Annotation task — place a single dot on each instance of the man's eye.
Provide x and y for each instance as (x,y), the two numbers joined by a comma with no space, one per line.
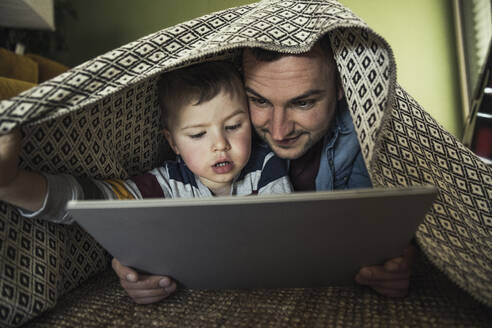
(197,135)
(304,104)
(260,102)
(233,127)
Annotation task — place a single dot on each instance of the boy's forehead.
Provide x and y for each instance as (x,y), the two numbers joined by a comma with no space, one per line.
(220,107)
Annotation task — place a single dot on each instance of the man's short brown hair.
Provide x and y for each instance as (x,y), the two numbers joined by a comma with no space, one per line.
(264,55)
(196,84)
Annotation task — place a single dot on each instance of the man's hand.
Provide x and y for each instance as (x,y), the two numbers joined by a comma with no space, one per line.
(9,157)
(143,289)
(391,279)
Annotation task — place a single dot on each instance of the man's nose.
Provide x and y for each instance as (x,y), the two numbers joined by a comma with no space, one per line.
(280,125)
(220,142)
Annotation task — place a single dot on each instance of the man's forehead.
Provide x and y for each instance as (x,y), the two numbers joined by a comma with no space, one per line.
(294,75)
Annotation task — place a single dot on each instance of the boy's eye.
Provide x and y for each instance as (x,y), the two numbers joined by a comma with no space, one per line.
(197,135)
(233,127)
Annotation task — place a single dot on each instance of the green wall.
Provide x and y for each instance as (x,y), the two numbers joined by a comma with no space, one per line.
(103,25)
(420,32)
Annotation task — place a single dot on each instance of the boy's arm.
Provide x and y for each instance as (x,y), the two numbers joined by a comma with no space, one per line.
(18,187)
(28,190)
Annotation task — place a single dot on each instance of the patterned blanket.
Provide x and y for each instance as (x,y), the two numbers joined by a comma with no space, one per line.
(101,119)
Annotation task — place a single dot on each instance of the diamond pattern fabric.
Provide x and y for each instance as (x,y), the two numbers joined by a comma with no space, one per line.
(101,119)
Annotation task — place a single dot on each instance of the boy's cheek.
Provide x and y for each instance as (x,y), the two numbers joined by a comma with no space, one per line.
(243,145)
(192,154)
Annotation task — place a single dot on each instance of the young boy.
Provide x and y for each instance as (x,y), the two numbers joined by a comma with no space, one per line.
(206,123)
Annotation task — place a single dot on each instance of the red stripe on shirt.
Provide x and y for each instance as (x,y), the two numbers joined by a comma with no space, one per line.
(148,185)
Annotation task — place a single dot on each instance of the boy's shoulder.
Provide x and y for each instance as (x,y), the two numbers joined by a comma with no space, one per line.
(259,152)
(260,155)
(178,171)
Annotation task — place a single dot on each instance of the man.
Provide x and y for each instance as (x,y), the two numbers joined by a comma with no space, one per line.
(297,108)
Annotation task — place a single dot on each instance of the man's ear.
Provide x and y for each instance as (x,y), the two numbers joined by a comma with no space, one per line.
(340,92)
(170,141)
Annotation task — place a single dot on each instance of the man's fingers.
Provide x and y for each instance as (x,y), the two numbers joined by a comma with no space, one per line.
(409,254)
(124,272)
(389,292)
(379,273)
(388,287)
(388,284)
(396,265)
(391,279)
(404,262)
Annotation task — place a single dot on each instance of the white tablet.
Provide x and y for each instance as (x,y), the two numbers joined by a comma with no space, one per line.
(292,240)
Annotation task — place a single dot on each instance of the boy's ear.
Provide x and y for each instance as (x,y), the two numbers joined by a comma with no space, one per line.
(170,141)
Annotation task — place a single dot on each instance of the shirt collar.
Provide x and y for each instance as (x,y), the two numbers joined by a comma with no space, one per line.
(342,124)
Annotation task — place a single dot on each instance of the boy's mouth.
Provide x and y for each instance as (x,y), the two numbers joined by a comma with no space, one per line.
(222,167)
(222,164)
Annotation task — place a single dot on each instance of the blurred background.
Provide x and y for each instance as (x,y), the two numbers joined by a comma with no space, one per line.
(430,57)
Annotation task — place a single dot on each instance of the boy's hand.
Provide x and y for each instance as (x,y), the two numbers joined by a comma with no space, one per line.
(143,289)
(391,279)
(9,156)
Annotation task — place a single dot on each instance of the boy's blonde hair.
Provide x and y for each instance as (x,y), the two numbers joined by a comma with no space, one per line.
(196,84)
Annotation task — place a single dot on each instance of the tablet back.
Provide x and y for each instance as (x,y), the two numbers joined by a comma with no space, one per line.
(291,240)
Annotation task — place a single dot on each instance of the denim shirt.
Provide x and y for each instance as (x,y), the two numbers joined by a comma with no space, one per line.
(342,164)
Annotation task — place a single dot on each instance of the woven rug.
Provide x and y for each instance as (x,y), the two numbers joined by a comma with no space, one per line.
(434,301)
(101,119)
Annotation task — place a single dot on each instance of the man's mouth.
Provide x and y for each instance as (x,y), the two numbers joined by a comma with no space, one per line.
(287,142)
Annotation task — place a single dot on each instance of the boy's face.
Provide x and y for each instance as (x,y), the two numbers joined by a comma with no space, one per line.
(213,138)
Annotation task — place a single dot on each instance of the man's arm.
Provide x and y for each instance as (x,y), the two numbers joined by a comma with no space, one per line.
(391,279)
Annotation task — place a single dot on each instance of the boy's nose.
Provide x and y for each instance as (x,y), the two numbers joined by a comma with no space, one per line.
(221,143)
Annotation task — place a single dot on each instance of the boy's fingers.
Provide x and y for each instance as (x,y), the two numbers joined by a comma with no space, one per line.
(9,156)
(124,272)
(149,300)
(147,296)
(156,292)
(10,142)
(147,282)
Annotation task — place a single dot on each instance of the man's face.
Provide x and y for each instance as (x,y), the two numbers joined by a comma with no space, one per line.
(292,100)
(213,138)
